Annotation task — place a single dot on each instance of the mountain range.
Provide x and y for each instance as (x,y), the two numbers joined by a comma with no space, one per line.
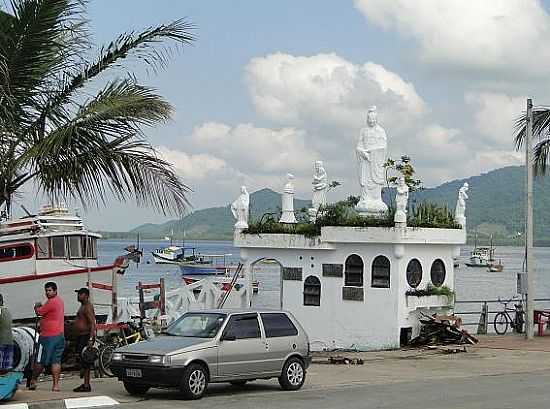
(495,208)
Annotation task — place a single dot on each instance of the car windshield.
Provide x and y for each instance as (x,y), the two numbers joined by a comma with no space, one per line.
(197,325)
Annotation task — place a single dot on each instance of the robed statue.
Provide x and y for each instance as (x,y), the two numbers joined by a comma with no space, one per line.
(371,155)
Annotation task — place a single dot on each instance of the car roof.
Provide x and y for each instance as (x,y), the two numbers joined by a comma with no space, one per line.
(237,311)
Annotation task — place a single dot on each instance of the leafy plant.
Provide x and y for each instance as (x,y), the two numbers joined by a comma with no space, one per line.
(404,168)
(428,214)
(431,290)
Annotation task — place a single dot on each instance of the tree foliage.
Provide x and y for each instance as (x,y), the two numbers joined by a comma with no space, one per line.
(70,128)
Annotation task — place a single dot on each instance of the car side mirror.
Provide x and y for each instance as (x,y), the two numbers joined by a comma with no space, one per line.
(229,337)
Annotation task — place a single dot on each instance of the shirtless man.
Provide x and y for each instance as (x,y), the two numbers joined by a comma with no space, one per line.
(85,327)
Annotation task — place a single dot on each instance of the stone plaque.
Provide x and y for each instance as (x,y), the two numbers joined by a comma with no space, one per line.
(353,293)
(333,270)
(292,273)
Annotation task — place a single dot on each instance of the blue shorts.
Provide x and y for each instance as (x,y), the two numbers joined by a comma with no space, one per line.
(50,350)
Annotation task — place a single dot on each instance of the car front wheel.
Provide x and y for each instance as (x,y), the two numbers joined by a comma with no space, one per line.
(294,374)
(194,381)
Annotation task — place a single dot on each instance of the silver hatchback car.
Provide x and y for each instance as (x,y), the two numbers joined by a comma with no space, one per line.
(217,346)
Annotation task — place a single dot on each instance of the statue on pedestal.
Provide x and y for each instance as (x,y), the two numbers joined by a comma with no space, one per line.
(371,156)
(240,209)
(401,202)
(320,186)
(287,215)
(460,211)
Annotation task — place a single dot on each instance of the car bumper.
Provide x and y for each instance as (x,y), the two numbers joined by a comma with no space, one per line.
(155,376)
(307,361)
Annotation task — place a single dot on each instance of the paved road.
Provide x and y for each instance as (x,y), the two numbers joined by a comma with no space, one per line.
(519,390)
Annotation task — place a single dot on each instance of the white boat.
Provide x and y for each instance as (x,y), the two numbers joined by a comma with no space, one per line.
(168,255)
(481,256)
(53,245)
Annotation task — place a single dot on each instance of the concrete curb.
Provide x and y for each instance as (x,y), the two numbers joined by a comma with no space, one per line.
(70,403)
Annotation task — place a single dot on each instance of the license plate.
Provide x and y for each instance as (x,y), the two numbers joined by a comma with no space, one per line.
(133,373)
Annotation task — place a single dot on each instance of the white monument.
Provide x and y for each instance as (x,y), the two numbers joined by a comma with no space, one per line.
(288,202)
(401,202)
(371,156)
(240,209)
(320,186)
(460,211)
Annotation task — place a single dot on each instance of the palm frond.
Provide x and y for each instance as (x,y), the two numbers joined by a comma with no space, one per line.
(141,46)
(541,131)
(100,150)
(36,46)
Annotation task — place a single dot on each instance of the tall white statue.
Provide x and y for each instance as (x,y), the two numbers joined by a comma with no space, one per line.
(460,211)
(320,186)
(288,202)
(401,202)
(240,209)
(371,156)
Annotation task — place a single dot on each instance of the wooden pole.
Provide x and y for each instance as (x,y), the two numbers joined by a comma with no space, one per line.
(529,262)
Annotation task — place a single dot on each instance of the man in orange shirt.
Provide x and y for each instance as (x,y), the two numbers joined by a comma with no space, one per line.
(51,342)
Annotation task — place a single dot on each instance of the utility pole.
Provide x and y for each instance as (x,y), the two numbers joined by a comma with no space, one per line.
(529,262)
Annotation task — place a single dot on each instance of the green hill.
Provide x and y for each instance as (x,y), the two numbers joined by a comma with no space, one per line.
(495,206)
(215,222)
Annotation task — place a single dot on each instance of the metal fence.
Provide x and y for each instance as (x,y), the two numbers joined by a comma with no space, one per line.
(481,313)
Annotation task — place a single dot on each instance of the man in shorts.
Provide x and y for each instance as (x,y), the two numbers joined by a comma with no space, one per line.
(51,342)
(6,339)
(85,329)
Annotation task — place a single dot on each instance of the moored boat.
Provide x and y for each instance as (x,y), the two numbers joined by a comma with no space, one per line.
(53,245)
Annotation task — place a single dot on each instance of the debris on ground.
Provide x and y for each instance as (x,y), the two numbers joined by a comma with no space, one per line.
(442,330)
(342,360)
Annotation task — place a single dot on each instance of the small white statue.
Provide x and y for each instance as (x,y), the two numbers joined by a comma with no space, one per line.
(320,186)
(371,156)
(288,202)
(401,202)
(240,209)
(460,211)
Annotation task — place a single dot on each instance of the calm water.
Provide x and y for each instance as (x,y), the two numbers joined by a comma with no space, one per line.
(471,283)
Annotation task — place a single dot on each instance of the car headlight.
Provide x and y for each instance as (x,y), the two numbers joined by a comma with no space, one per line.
(117,356)
(159,359)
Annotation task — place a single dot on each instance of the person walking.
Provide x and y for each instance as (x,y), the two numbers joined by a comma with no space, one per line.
(51,342)
(85,328)
(6,339)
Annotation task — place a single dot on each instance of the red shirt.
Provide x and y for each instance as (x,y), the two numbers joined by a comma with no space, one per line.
(52,315)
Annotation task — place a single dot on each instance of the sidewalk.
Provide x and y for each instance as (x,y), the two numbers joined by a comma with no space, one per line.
(494,355)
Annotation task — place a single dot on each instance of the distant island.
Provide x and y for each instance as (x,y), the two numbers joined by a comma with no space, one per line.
(495,208)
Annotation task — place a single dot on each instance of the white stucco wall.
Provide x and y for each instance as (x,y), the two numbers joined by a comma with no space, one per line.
(375,322)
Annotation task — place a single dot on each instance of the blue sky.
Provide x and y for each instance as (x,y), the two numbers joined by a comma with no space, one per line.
(271,86)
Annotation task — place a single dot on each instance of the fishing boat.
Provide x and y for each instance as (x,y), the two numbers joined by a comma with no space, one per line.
(481,256)
(168,255)
(205,264)
(53,245)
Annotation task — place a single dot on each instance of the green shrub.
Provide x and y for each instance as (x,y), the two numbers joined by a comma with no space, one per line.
(431,290)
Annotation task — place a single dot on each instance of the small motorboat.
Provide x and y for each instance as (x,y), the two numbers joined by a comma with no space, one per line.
(496,268)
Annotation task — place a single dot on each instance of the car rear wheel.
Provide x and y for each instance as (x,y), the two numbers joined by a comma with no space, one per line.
(294,374)
(135,389)
(194,382)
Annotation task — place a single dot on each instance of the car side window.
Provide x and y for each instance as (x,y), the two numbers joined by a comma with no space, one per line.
(278,325)
(244,326)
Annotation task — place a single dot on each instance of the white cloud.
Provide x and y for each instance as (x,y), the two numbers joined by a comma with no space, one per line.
(497,35)
(194,167)
(260,150)
(495,116)
(326,89)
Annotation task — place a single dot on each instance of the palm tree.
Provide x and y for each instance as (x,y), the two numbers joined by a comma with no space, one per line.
(541,130)
(71,131)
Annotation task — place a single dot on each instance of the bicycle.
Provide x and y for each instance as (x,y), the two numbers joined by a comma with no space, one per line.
(503,319)
(106,348)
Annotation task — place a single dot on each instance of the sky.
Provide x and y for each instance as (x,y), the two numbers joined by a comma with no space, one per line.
(269,87)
